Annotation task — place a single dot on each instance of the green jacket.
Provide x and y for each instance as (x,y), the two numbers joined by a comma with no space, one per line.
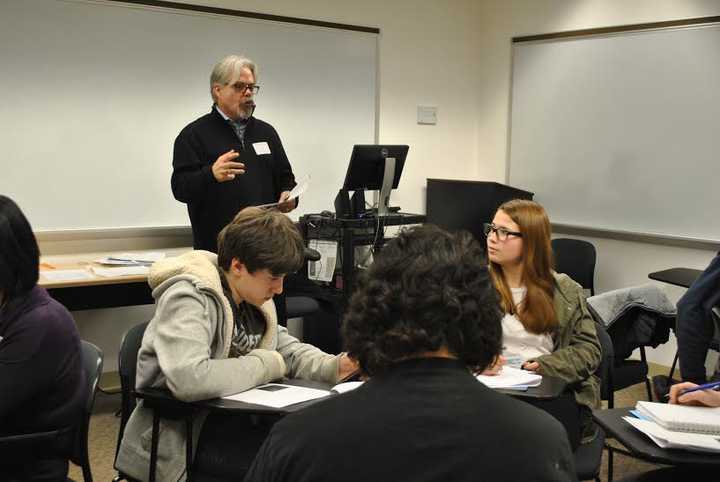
(576,354)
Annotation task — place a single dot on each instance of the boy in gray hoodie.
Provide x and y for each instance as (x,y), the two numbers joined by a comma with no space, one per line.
(215,333)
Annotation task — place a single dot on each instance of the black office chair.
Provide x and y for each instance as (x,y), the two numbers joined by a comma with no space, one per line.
(588,457)
(576,258)
(70,442)
(163,404)
(127,367)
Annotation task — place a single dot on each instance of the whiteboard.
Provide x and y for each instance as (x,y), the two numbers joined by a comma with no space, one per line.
(621,132)
(94,94)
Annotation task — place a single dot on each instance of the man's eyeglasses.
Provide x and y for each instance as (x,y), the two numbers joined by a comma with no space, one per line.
(241,87)
(501,233)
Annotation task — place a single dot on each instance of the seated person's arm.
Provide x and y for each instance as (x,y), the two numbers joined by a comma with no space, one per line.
(22,372)
(706,398)
(579,360)
(306,361)
(184,333)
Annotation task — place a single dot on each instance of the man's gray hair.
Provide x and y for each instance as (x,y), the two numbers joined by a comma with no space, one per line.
(228,70)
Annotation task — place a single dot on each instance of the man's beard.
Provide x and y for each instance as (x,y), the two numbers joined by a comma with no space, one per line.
(247,110)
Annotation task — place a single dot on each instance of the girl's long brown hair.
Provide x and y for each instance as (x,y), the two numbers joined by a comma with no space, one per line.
(536,313)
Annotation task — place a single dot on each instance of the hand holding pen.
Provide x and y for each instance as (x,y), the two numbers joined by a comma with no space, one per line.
(691,394)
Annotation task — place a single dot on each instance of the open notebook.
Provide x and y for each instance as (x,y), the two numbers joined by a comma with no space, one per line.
(511,378)
(682,418)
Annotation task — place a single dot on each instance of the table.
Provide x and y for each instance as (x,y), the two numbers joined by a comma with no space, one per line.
(550,387)
(642,447)
(96,292)
(162,398)
(677,276)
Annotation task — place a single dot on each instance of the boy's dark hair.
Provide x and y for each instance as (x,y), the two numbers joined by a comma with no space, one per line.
(426,290)
(261,239)
(19,252)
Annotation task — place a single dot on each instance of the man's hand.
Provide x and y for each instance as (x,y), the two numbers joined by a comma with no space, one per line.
(706,398)
(531,366)
(347,367)
(284,205)
(496,367)
(225,168)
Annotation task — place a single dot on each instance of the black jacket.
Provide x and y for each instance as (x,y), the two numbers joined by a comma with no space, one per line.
(41,379)
(695,328)
(212,205)
(425,420)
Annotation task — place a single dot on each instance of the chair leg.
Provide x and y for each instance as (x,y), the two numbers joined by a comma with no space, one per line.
(87,474)
(188,446)
(154,446)
(672,367)
(648,387)
(610,464)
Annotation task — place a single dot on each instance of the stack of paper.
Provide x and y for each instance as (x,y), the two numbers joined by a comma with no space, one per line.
(682,418)
(669,439)
(132,259)
(511,378)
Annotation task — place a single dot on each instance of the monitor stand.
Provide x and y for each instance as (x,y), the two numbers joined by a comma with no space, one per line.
(388,177)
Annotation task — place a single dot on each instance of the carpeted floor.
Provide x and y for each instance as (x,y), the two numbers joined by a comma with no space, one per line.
(104,430)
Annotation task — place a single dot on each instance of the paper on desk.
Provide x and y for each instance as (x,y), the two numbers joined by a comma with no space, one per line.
(122,271)
(324,268)
(346,387)
(300,188)
(66,275)
(675,440)
(511,378)
(132,259)
(278,395)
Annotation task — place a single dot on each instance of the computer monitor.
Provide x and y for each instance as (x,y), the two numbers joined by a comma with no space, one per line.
(375,167)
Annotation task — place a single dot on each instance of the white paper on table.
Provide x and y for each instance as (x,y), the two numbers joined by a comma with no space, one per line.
(510,377)
(324,268)
(676,440)
(132,259)
(122,271)
(278,395)
(67,275)
(346,387)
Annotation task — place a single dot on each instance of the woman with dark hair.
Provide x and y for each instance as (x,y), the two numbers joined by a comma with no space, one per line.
(547,328)
(423,318)
(41,379)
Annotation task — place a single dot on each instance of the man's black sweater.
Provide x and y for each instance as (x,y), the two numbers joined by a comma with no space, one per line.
(212,205)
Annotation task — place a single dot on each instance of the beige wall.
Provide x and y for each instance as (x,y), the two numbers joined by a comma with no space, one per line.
(620,263)
(455,54)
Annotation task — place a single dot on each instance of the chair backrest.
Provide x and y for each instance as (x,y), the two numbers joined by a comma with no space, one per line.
(604,371)
(92,361)
(576,258)
(127,367)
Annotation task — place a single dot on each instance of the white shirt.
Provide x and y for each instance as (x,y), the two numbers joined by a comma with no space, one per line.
(519,345)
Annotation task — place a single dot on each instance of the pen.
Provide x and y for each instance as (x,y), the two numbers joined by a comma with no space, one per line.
(705,386)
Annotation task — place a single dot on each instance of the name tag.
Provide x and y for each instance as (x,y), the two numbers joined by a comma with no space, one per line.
(261,148)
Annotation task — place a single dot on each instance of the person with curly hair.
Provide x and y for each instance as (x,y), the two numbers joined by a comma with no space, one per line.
(547,327)
(424,318)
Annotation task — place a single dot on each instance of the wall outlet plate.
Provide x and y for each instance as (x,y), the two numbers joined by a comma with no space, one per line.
(426,115)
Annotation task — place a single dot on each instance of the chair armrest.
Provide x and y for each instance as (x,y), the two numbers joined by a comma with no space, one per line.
(164,403)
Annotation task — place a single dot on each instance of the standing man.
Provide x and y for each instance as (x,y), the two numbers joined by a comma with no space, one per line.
(227,159)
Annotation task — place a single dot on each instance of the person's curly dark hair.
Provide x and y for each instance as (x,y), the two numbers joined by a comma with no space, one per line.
(427,289)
